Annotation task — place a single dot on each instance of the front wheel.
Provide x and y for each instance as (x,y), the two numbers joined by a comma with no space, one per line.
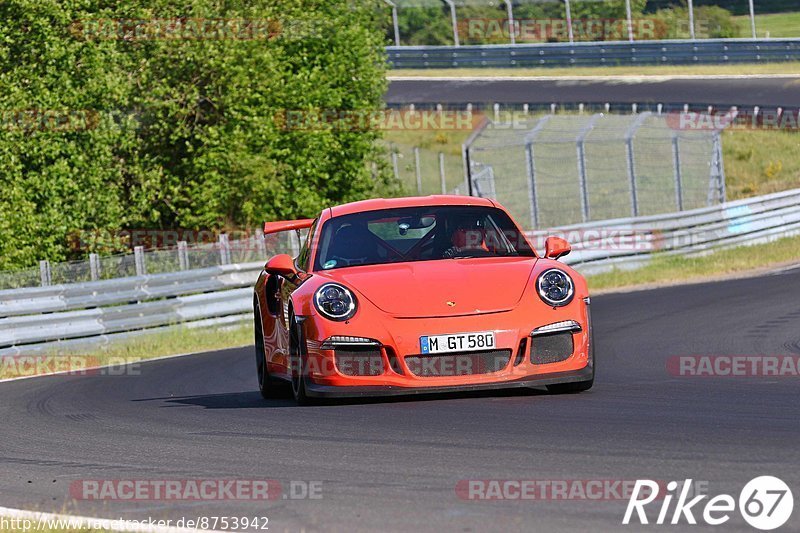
(267,386)
(297,360)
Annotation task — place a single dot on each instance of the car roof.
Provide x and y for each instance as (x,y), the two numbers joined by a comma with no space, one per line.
(411,201)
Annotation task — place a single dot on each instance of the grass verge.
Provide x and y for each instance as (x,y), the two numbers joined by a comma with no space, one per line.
(772,26)
(787,68)
(666,270)
(118,353)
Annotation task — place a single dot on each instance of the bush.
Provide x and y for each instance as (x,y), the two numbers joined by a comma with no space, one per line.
(166,133)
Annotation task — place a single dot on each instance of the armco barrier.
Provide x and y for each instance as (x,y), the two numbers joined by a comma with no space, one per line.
(30,318)
(631,242)
(93,313)
(674,52)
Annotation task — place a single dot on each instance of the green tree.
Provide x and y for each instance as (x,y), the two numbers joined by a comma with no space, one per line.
(183,132)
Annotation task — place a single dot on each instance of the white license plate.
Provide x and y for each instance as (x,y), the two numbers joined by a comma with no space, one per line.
(457,342)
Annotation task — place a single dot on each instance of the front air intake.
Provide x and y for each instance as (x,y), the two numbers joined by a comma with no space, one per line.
(551,348)
(359,361)
(458,364)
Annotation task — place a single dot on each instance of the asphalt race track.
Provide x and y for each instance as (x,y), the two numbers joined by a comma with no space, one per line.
(743,92)
(394,465)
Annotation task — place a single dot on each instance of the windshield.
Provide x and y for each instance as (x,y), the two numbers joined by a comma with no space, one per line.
(418,234)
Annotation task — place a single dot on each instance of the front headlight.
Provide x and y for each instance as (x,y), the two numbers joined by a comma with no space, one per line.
(335,302)
(555,287)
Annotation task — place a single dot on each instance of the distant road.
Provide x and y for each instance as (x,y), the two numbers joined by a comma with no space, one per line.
(743,91)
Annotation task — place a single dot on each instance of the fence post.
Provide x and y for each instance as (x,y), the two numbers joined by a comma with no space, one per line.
(441,173)
(753,19)
(261,244)
(395,166)
(139,261)
(569,21)
(691,19)
(417,170)
(716,181)
(579,142)
(224,249)
(183,255)
(630,19)
(45,273)
(629,135)
(676,163)
(454,20)
(511,29)
(94,266)
(530,166)
(632,177)
(395,23)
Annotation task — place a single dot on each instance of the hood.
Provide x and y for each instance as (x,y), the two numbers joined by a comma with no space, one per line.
(423,289)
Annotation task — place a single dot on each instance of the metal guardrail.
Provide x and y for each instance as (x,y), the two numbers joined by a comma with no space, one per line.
(632,242)
(33,317)
(672,52)
(92,313)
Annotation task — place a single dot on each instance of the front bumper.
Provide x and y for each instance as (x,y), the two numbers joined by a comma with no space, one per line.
(365,391)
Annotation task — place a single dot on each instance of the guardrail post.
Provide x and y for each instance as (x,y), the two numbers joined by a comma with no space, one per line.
(417,170)
(183,255)
(224,249)
(139,261)
(94,266)
(45,273)
(441,173)
(676,164)
(691,19)
(753,19)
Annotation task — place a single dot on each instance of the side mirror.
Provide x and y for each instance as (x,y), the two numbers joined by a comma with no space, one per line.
(281,265)
(555,247)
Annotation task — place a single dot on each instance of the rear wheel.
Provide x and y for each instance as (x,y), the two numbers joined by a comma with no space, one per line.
(298,361)
(267,386)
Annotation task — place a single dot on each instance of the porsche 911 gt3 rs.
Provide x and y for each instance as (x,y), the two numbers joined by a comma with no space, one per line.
(419,295)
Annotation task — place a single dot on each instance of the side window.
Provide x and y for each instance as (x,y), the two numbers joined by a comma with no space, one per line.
(305,251)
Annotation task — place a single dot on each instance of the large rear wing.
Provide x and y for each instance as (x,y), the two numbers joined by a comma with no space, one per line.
(287,225)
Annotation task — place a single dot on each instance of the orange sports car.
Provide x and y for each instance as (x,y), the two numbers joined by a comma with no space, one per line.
(419,295)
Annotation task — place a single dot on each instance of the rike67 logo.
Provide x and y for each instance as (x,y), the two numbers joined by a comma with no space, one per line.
(766,503)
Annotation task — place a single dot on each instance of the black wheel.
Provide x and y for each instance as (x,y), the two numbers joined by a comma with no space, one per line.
(268,387)
(297,361)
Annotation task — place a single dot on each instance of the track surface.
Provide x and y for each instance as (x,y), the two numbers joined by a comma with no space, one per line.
(394,465)
(747,92)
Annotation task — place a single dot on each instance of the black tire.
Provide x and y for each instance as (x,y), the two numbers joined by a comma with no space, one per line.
(297,361)
(267,386)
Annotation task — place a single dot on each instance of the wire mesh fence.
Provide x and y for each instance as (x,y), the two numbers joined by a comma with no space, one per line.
(182,256)
(480,22)
(553,170)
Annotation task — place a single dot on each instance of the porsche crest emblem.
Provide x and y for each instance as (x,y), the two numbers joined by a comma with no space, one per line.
(451,304)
